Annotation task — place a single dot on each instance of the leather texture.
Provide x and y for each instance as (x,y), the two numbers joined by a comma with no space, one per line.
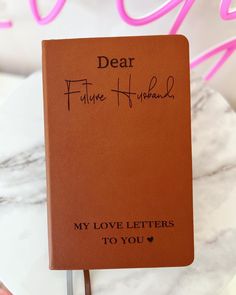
(118,152)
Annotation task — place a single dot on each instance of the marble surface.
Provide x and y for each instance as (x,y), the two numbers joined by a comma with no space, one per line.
(23,220)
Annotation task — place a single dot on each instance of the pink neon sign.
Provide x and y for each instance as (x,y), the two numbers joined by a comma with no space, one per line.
(227,48)
(160,12)
(224,10)
(5,24)
(51,16)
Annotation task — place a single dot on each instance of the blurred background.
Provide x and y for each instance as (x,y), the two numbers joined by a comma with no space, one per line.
(22,170)
(20,50)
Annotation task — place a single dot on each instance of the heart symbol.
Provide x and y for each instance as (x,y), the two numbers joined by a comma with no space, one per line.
(150,239)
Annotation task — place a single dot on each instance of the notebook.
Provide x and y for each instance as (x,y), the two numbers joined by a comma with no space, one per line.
(118,152)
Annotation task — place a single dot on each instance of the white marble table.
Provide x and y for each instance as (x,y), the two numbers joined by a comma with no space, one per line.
(23,222)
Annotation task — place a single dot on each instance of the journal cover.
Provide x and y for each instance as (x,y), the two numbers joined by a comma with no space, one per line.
(118,152)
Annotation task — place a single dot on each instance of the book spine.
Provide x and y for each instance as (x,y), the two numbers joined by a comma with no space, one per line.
(47,151)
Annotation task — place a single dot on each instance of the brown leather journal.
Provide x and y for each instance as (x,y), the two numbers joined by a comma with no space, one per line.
(118,152)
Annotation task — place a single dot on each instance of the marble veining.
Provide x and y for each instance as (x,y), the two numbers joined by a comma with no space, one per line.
(23,249)
(26,170)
